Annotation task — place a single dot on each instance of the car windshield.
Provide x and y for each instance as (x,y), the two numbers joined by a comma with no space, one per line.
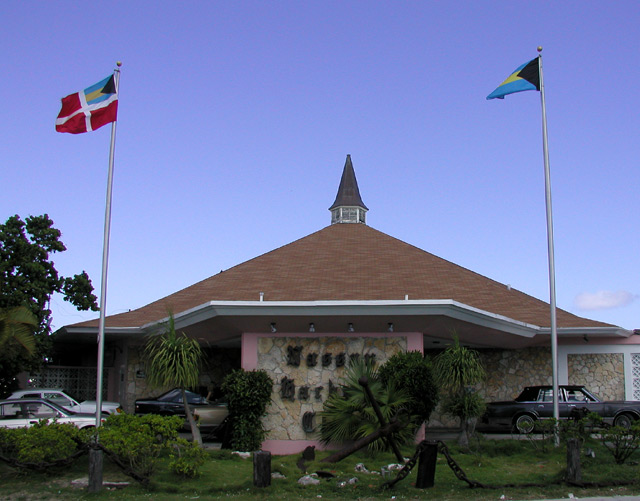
(175,396)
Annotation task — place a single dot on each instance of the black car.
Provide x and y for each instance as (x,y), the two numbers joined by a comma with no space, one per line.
(169,403)
(211,416)
(536,403)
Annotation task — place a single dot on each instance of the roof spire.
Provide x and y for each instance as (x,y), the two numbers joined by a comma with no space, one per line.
(348,206)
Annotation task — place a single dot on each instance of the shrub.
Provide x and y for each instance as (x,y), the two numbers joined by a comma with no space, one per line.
(248,394)
(621,442)
(412,372)
(186,458)
(44,445)
(135,443)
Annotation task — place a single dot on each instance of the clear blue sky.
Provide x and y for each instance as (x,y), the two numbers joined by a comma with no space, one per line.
(235,120)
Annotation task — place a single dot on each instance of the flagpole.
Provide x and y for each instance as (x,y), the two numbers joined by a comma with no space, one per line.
(552,272)
(95,467)
(105,260)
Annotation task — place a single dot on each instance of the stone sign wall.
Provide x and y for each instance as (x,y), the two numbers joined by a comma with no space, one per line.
(305,370)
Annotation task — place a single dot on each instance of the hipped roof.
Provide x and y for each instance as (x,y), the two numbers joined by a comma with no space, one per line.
(351,262)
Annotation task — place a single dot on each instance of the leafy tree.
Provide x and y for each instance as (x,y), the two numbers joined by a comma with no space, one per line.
(248,394)
(413,373)
(174,360)
(28,278)
(457,369)
(350,416)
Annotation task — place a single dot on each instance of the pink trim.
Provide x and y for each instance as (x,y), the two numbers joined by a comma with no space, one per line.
(249,352)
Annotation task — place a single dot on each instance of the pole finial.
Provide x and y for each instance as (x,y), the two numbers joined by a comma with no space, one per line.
(539,48)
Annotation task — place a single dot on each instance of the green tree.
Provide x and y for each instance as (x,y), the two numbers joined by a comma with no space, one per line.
(248,393)
(413,373)
(457,370)
(29,278)
(174,360)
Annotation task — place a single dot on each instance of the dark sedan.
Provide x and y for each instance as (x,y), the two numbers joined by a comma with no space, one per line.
(536,403)
(210,415)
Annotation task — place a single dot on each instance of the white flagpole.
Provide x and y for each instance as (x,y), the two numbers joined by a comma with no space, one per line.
(95,454)
(552,271)
(105,261)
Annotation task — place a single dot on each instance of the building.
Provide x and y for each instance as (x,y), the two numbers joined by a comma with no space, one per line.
(301,311)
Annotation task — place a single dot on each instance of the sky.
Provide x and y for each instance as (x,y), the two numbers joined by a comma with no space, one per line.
(235,119)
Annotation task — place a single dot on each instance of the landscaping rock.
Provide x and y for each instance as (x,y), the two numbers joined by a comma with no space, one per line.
(308,480)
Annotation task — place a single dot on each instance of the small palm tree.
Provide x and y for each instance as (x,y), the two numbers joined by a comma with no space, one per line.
(350,415)
(457,369)
(18,324)
(174,360)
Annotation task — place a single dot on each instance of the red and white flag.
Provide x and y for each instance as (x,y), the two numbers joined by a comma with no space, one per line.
(89,109)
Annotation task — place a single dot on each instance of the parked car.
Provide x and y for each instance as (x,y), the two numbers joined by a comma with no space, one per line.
(211,416)
(62,399)
(25,412)
(536,403)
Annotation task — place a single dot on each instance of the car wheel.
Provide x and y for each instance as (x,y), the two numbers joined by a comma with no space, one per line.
(623,420)
(524,423)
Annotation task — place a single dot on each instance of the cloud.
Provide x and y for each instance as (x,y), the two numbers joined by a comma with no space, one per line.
(604,300)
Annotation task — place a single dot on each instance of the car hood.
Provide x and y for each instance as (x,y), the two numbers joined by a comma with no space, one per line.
(104,402)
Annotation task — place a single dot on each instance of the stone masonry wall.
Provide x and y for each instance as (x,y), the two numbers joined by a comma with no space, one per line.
(509,371)
(602,373)
(304,370)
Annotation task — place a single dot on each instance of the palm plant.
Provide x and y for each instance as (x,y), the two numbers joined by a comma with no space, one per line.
(348,414)
(457,369)
(174,360)
(18,324)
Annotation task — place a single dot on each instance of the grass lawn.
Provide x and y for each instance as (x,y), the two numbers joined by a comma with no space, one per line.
(491,462)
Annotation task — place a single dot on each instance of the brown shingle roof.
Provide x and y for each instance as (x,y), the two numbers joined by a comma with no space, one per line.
(351,262)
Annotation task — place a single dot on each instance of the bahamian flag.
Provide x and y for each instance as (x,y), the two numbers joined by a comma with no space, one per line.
(89,109)
(526,77)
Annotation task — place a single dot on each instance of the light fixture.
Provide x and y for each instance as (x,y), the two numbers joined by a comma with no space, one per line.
(390,327)
(350,327)
(273,327)
(312,327)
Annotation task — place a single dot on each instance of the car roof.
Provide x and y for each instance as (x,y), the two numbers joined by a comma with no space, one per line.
(33,401)
(566,386)
(34,390)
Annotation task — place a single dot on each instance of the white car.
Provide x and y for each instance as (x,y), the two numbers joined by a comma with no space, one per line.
(63,400)
(26,412)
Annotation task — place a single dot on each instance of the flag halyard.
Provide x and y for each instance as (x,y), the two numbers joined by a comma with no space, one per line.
(525,77)
(89,109)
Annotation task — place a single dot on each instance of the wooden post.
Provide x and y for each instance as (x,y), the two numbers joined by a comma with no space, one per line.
(95,470)
(574,475)
(262,468)
(427,466)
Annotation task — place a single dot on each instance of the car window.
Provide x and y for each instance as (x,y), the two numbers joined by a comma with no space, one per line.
(575,396)
(31,395)
(10,411)
(546,395)
(41,410)
(58,398)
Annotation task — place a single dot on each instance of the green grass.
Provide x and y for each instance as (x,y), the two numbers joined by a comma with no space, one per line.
(226,476)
